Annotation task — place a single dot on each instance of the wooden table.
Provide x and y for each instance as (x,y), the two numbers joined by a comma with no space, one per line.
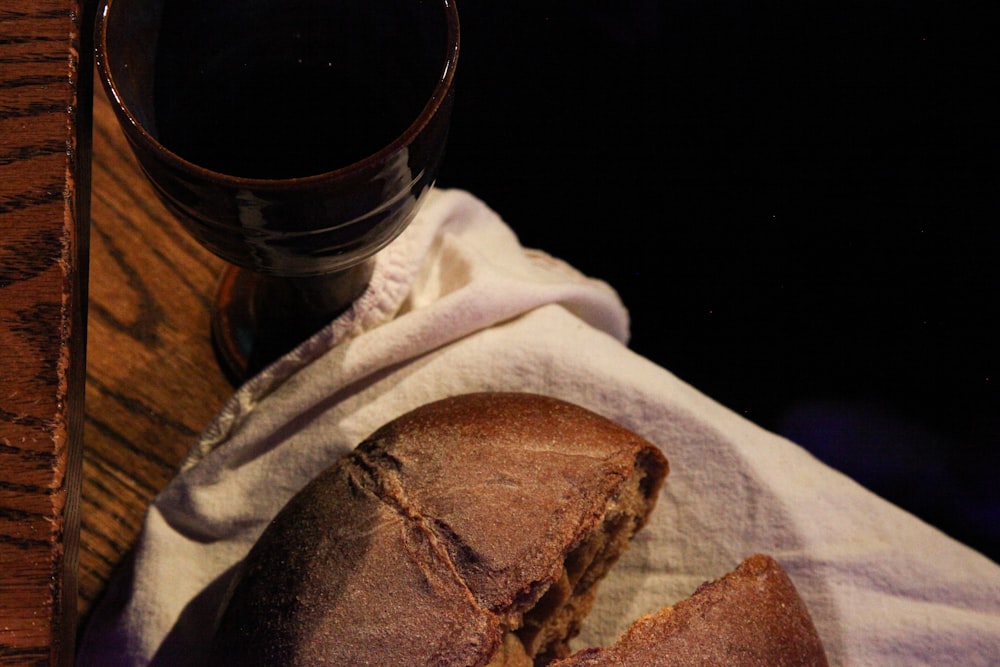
(44,162)
(152,380)
(75,480)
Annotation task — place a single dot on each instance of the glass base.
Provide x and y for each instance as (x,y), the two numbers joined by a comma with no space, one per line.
(258,317)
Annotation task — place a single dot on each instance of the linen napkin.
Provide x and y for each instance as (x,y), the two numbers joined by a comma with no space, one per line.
(457,305)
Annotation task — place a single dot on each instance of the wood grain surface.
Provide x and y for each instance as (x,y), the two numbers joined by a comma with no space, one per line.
(75,479)
(44,160)
(152,379)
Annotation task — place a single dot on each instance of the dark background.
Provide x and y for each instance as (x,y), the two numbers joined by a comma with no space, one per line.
(797,202)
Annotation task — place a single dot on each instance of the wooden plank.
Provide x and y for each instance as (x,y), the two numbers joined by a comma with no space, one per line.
(153,383)
(44,197)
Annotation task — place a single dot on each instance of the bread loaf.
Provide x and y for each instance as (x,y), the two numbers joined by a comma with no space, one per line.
(752,617)
(472,531)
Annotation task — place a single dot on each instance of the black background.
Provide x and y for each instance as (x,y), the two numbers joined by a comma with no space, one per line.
(797,201)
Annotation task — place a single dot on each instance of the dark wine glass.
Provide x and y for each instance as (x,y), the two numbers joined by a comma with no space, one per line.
(293,138)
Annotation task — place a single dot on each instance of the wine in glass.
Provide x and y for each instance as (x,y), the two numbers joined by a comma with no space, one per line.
(293,138)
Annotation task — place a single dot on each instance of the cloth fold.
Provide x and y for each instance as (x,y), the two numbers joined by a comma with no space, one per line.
(457,305)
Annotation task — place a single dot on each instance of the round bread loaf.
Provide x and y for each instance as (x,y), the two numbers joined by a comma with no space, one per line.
(752,617)
(472,531)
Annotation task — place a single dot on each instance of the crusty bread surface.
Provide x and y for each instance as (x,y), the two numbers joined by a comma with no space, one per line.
(751,617)
(471,531)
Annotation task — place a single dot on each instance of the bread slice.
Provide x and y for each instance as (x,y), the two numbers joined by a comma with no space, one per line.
(471,531)
(752,617)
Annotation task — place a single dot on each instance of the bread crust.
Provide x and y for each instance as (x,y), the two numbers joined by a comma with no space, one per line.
(751,617)
(439,535)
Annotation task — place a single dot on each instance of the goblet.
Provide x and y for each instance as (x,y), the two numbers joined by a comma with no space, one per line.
(292,138)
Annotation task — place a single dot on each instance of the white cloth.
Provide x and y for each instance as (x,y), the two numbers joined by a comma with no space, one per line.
(457,305)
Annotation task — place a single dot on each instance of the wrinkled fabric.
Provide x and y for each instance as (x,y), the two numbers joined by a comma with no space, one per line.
(457,305)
